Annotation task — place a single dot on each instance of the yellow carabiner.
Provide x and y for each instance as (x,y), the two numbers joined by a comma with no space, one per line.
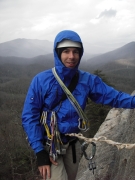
(82,125)
(47,131)
(43,120)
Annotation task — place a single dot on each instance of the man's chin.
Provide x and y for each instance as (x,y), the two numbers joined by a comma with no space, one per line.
(71,67)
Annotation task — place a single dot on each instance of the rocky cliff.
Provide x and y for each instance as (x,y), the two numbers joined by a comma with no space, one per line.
(113,163)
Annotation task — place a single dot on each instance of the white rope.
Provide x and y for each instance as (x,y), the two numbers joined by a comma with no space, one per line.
(73,101)
(103,139)
(70,96)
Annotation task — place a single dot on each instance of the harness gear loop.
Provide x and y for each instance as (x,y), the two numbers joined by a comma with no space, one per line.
(58,142)
(53,135)
(83,119)
(91,164)
(56,145)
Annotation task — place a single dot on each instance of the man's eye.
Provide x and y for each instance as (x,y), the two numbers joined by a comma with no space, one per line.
(76,52)
(65,51)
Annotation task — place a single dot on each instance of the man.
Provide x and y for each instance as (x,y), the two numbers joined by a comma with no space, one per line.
(45,97)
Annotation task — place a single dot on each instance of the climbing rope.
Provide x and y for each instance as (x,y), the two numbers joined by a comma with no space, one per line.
(103,139)
(83,119)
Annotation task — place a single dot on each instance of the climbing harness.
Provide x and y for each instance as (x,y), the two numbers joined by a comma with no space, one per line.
(92,165)
(83,119)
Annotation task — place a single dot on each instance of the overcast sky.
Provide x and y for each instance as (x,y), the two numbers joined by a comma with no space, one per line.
(103,25)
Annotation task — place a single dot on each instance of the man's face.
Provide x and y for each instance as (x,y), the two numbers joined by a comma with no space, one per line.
(70,57)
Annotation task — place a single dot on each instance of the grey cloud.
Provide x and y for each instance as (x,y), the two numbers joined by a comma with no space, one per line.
(43,19)
(107,13)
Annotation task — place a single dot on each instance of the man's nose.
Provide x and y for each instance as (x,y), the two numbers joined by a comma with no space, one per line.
(71,54)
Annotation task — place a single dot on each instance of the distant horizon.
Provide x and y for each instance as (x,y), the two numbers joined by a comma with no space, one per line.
(93,49)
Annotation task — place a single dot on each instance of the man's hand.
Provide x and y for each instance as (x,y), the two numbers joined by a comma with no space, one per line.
(45,170)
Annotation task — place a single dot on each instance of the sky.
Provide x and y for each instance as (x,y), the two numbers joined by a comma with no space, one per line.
(103,25)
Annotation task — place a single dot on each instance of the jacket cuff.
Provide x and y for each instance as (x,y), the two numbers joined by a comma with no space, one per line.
(43,158)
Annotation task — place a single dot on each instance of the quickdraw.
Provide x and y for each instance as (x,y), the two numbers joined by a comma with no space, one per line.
(91,164)
(43,121)
(52,152)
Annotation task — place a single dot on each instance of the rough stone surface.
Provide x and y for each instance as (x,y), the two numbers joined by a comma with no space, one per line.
(113,164)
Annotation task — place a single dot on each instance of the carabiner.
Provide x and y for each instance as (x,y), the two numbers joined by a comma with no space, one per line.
(53,119)
(43,117)
(81,124)
(84,146)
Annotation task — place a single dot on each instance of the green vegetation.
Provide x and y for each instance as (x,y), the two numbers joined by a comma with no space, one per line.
(96,113)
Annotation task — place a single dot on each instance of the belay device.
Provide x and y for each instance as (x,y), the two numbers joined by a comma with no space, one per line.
(92,165)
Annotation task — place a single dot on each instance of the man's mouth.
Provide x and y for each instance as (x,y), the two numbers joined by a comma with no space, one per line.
(71,63)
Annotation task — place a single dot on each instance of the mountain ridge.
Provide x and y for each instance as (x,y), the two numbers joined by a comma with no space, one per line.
(29,48)
(25,47)
(126,51)
(117,65)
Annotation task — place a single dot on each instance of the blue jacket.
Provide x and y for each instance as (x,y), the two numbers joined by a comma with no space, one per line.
(44,91)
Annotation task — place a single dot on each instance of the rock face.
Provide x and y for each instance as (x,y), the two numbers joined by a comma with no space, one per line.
(113,163)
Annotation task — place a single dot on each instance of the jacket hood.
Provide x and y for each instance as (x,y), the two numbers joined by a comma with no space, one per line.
(63,71)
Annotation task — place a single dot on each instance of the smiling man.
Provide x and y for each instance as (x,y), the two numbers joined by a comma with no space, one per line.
(70,57)
(58,155)
(69,52)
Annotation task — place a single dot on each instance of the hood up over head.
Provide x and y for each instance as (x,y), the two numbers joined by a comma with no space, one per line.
(61,38)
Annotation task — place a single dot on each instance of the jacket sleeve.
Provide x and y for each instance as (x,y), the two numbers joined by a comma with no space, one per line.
(104,94)
(31,116)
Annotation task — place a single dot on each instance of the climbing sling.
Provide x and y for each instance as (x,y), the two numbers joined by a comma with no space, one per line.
(82,117)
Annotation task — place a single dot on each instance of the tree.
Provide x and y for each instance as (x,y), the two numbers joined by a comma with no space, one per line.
(103,77)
